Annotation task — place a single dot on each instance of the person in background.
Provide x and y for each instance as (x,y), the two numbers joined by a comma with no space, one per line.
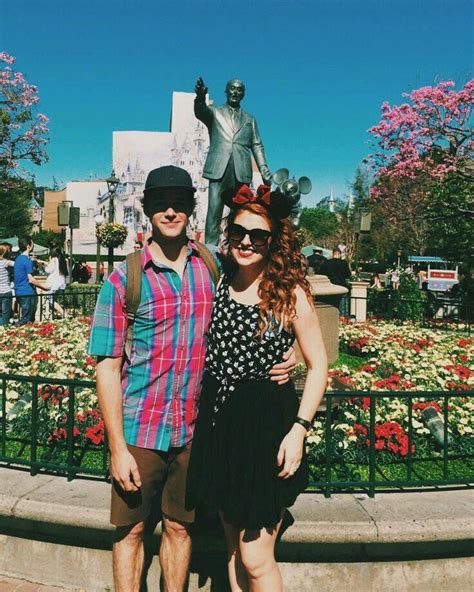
(57,272)
(316,260)
(6,294)
(339,273)
(24,282)
(376,284)
(138,246)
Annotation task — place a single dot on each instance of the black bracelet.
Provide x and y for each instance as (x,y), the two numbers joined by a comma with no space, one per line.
(304,422)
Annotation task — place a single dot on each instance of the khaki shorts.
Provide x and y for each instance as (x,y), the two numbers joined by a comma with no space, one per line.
(163,476)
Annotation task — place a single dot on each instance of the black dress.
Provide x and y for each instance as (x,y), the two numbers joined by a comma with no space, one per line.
(243,417)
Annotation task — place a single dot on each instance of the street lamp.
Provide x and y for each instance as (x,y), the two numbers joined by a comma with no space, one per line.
(112,184)
(399,255)
(98,219)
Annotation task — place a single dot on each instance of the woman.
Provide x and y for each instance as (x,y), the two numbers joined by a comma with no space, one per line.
(248,459)
(6,294)
(57,271)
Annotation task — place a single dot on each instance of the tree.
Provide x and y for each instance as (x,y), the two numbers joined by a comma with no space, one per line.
(319,224)
(23,133)
(424,171)
(15,196)
(430,135)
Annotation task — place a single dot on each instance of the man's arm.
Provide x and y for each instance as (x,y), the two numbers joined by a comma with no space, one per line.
(259,155)
(36,283)
(123,467)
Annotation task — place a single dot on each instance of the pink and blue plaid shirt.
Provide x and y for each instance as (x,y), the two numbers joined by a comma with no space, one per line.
(161,383)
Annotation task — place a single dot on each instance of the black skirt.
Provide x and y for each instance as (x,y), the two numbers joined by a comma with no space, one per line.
(233,466)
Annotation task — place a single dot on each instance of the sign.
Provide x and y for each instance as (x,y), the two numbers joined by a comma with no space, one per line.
(442,280)
(63,214)
(74,218)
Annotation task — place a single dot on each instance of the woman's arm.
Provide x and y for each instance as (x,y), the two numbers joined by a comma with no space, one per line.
(308,333)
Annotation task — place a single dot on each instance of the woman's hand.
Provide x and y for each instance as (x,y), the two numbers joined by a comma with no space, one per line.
(291,451)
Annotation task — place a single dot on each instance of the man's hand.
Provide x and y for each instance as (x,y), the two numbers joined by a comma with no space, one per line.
(280,373)
(124,471)
(200,89)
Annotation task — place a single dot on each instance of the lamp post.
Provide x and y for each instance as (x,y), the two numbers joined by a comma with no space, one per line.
(112,184)
(98,219)
(399,255)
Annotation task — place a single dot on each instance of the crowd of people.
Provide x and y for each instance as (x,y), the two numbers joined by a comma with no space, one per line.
(19,283)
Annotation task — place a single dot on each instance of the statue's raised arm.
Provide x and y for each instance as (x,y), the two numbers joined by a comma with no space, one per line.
(200,89)
(234,139)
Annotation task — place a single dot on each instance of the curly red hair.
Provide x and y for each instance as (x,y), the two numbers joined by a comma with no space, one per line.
(283,271)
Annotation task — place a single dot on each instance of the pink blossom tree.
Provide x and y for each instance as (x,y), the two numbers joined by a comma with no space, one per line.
(23,132)
(428,136)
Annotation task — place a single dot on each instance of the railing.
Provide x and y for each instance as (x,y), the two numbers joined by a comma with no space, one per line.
(433,311)
(53,425)
(373,454)
(436,312)
(72,303)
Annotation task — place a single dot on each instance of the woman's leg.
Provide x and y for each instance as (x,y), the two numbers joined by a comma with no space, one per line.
(257,552)
(237,575)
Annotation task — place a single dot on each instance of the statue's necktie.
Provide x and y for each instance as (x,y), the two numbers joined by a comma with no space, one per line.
(233,118)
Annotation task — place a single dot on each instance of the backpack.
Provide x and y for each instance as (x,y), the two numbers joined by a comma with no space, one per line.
(134,285)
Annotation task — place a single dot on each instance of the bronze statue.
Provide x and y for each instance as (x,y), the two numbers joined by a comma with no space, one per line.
(234,138)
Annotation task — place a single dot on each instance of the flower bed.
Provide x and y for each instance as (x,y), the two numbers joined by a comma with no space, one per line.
(383,357)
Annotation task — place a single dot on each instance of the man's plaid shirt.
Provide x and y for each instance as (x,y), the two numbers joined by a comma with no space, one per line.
(161,383)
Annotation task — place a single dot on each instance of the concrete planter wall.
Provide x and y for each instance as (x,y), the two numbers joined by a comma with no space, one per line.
(327,313)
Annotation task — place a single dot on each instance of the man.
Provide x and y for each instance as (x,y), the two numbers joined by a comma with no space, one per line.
(338,272)
(234,138)
(316,260)
(24,282)
(149,401)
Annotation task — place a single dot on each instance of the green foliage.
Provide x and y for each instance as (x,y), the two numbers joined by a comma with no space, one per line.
(80,297)
(46,237)
(14,199)
(408,300)
(318,223)
(451,227)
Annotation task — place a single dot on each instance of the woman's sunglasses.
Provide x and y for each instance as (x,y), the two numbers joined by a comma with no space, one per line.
(258,237)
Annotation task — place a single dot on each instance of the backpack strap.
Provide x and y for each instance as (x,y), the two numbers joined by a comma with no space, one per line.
(132,294)
(209,260)
(134,285)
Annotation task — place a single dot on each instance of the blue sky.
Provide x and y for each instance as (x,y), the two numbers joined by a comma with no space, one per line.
(316,71)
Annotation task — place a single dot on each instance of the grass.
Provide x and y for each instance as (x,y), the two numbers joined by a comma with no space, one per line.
(352,362)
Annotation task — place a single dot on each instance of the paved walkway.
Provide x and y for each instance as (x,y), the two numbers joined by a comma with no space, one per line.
(11,585)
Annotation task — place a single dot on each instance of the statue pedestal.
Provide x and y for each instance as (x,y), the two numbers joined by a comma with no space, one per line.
(359,300)
(328,314)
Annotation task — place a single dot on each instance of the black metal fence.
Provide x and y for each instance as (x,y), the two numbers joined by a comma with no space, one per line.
(53,425)
(433,311)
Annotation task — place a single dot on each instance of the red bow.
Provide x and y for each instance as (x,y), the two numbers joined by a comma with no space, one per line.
(245,195)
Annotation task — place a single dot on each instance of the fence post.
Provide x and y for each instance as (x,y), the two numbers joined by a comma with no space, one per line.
(358,297)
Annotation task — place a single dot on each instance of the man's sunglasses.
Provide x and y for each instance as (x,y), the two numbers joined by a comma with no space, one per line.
(184,205)
(258,237)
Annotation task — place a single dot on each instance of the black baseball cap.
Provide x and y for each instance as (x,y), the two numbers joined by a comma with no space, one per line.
(168,176)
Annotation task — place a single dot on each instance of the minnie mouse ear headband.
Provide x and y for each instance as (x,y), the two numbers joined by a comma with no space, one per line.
(274,201)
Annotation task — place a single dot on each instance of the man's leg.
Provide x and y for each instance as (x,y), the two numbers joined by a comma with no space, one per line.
(215,207)
(24,304)
(215,203)
(128,557)
(175,555)
(175,551)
